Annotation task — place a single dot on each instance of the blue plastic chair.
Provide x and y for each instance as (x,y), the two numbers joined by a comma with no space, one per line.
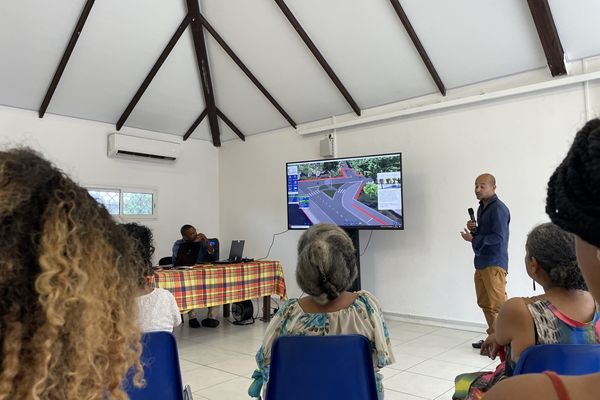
(161,370)
(321,367)
(564,359)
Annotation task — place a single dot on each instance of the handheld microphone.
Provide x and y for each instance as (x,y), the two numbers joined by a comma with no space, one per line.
(472,215)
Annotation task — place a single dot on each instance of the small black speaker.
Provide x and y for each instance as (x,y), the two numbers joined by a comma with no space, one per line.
(242,312)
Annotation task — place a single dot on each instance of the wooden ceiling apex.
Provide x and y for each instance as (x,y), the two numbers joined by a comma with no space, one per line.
(202,60)
(245,69)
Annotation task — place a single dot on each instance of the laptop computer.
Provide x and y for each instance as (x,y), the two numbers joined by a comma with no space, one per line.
(235,253)
(187,254)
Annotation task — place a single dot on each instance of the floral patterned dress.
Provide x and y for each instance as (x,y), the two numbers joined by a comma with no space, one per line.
(363,317)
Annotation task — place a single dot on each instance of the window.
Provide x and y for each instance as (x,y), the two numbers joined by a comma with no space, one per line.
(137,203)
(126,203)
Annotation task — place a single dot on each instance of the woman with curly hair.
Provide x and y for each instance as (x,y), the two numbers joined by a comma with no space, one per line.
(158,310)
(573,203)
(68,278)
(565,314)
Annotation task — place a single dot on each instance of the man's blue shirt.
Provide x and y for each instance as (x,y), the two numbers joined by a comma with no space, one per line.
(490,244)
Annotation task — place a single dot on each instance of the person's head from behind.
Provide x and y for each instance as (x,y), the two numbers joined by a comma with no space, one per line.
(67,287)
(485,187)
(550,258)
(144,243)
(573,201)
(188,233)
(326,262)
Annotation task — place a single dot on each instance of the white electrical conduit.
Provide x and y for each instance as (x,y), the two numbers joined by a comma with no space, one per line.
(535,87)
(586,94)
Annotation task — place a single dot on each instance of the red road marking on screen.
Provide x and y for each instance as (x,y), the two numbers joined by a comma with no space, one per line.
(320,179)
(375,218)
(359,191)
(324,179)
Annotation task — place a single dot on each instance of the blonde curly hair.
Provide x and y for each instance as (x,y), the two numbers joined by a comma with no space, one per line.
(67,287)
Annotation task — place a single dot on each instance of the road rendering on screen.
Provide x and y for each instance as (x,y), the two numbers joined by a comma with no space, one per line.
(334,200)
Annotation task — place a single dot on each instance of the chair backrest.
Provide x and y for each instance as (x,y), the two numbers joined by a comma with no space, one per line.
(165,261)
(337,367)
(214,242)
(161,369)
(564,359)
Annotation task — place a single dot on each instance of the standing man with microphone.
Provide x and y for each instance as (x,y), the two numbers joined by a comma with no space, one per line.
(489,239)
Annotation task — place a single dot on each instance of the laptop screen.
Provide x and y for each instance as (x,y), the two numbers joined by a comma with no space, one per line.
(187,253)
(237,248)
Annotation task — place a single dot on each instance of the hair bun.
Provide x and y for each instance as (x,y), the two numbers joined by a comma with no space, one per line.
(326,264)
(573,200)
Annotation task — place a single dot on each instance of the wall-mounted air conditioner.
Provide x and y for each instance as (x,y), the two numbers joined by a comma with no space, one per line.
(133,147)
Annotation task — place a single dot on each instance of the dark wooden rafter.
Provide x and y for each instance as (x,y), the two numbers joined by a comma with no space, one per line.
(245,69)
(65,58)
(202,59)
(313,48)
(231,125)
(153,71)
(544,23)
(195,124)
(417,43)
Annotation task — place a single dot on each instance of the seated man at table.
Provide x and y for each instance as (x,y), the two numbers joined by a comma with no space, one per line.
(206,254)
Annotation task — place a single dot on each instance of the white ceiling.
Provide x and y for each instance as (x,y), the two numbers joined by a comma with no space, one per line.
(468,41)
(577,25)
(471,41)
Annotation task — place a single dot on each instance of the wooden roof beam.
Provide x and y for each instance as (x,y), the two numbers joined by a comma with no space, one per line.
(65,58)
(195,124)
(317,54)
(231,125)
(202,59)
(417,43)
(245,69)
(153,71)
(546,29)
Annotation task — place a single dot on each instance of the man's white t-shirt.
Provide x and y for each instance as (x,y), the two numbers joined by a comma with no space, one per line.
(158,311)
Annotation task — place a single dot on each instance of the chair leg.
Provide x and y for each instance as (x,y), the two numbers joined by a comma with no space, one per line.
(181,318)
(187,393)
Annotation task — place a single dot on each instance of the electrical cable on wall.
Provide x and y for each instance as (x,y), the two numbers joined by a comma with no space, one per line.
(273,241)
(367,246)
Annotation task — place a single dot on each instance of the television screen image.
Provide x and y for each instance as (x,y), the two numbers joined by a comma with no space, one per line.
(353,192)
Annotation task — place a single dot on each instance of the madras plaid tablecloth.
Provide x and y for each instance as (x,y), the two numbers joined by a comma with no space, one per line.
(214,285)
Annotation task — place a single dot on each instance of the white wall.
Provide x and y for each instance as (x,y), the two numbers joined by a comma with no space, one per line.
(187,189)
(427,269)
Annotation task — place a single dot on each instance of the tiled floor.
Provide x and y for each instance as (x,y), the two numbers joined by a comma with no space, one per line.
(217,363)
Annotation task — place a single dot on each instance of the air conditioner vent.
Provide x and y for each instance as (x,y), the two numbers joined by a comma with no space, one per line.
(133,147)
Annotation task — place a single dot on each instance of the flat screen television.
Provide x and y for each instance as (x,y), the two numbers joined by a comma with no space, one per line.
(352,192)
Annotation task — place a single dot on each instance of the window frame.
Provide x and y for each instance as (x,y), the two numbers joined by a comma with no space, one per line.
(129,189)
